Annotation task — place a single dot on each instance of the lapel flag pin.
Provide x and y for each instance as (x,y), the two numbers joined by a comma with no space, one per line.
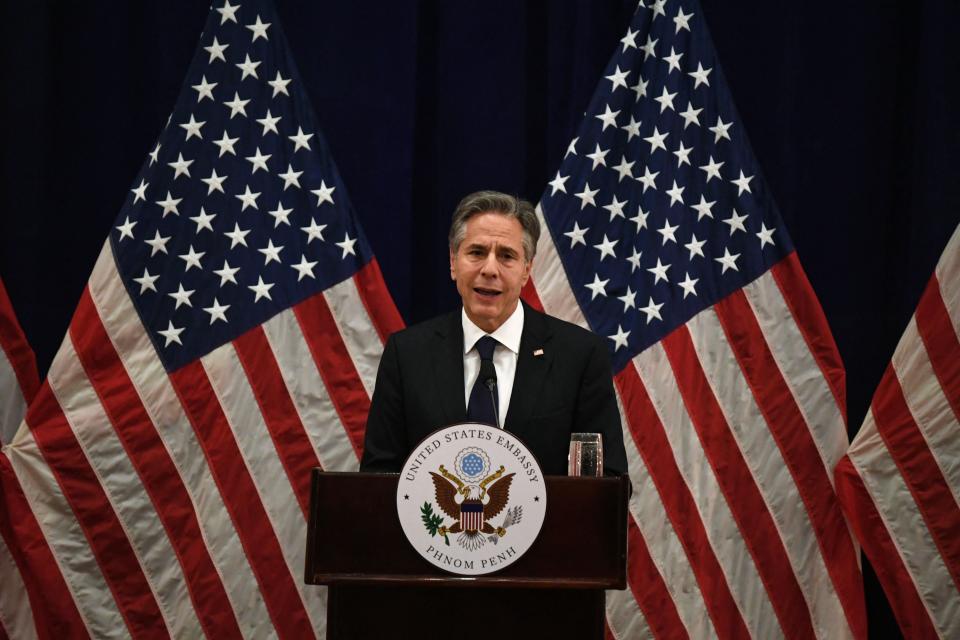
(538,352)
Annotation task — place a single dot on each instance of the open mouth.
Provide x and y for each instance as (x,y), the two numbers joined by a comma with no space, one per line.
(486,293)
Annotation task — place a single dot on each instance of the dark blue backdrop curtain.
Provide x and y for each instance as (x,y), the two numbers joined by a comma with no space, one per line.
(851,109)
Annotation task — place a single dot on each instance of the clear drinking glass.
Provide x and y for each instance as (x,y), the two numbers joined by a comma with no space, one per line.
(586,455)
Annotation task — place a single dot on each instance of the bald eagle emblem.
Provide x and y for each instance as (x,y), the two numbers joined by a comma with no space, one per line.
(472,496)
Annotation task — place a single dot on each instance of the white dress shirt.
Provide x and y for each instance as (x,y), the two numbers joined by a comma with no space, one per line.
(505,353)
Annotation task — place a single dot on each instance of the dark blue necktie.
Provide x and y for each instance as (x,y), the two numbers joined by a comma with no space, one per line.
(481,405)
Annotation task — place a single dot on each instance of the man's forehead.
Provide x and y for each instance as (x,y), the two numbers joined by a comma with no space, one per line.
(484,241)
(492,225)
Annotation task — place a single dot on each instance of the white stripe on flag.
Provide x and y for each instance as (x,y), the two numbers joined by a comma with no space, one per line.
(161,403)
(767,466)
(665,548)
(12,403)
(909,532)
(550,279)
(224,369)
(116,474)
(67,541)
(309,394)
(800,370)
(624,617)
(929,406)
(356,330)
(731,550)
(16,616)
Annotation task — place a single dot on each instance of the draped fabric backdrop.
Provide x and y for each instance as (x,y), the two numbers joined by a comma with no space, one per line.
(850,107)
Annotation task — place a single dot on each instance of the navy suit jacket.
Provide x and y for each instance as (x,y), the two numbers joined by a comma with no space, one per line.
(565,389)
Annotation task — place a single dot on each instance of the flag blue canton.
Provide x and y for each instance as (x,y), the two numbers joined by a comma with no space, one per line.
(239,211)
(659,209)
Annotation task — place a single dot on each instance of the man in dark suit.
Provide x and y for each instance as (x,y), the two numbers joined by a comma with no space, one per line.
(553,377)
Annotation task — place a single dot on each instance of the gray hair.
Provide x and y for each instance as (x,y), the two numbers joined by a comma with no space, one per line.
(496,202)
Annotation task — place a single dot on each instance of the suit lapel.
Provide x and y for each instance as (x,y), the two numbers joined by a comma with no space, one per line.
(448,370)
(533,363)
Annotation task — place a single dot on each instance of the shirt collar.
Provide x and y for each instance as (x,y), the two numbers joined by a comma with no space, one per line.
(508,334)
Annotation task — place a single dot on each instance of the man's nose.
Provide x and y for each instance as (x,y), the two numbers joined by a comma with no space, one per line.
(490,266)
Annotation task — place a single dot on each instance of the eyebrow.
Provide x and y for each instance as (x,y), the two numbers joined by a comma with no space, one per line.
(502,248)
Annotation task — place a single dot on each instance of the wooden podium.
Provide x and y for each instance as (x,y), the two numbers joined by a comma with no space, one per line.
(379,587)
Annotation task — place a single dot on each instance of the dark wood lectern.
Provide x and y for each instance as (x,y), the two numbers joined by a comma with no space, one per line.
(381,588)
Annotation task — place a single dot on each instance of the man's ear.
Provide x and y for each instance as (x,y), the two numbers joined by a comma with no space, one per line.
(453,270)
(526,274)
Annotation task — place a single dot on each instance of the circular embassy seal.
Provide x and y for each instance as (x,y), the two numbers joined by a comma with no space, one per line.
(471,498)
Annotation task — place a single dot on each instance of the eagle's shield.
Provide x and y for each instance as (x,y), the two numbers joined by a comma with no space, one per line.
(471,515)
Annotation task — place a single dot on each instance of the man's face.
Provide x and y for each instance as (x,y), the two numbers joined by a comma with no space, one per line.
(490,268)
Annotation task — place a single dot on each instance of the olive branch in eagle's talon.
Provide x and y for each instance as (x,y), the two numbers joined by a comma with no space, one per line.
(433,522)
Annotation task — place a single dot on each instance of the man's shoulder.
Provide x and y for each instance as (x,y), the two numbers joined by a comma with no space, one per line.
(426,330)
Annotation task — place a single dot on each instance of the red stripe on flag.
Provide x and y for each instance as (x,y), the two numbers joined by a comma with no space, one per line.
(651,440)
(807,313)
(530,295)
(290,439)
(242,500)
(14,344)
(377,300)
(799,451)
(106,536)
(901,591)
(157,472)
(943,347)
(919,469)
(757,528)
(335,366)
(55,614)
(649,589)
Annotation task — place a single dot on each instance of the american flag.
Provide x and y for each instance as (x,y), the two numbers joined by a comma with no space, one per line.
(662,235)
(18,370)
(900,480)
(226,343)
(18,385)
